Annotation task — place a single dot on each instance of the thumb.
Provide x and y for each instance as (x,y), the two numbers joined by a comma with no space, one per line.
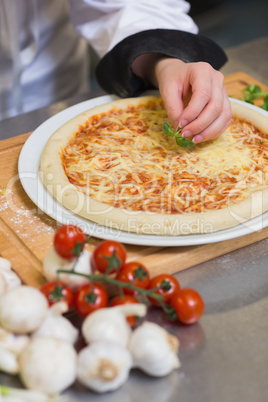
(173,103)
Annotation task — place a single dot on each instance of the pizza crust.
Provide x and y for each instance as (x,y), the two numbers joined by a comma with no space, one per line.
(56,182)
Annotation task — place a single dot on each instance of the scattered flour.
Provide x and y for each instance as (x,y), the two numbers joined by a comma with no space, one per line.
(33,225)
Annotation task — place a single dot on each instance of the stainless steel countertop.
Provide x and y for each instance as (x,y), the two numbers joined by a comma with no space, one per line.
(225,356)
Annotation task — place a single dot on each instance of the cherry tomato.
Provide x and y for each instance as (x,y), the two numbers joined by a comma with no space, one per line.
(125,299)
(89,298)
(108,257)
(69,241)
(188,304)
(165,285)
(135,273)
(57,291)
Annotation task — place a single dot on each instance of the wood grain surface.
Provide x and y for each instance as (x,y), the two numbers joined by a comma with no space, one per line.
(26,232)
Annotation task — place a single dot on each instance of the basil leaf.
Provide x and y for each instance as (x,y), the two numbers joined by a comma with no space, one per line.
(265,106)
(184,142)
(254,89)
(167,129)
(249,101)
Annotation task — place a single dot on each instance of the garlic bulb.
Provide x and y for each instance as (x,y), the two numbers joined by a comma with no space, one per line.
(11,278)
(3,284)
(22,309)
(154,350)
(56,326)
(110,324)
(13,343)
(8,362)
(5,264)
(103,366)
(52,262)
(48,365)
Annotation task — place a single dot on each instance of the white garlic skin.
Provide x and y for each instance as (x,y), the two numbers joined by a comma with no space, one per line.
(3,284)
(13,343)
(48,365)
(22,309)
(106,324)
(56,326)
(11,278)
(52,262)
(154,350)
(5,264)
(8,362)
(103,366)
(110,324)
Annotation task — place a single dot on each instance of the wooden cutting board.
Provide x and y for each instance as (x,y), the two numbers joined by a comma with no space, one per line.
(26,233)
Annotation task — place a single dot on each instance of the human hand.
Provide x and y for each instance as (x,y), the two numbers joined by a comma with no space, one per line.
(195,98)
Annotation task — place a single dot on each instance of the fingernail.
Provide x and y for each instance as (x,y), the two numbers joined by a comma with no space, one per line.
(183,123)
(176,125)
(186,134)
(197,138)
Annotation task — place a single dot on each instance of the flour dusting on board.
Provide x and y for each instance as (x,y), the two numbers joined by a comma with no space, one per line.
(3,198)
(37,226)
(24,222)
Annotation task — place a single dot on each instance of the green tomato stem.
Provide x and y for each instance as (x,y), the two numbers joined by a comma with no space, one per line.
(120,284)
(26,395)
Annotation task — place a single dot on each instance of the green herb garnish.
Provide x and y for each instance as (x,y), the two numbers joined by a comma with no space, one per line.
(182,142)
(254,91)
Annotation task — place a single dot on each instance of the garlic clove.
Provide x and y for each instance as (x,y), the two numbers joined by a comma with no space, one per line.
(3,284)
(138,309)
(48,365)
(56,326)
(154,350)
(22,309)
(13,343)
(5,264)
(52,262)
(110,324)
(8,362)
(106,324)
(11,278)
(103,366)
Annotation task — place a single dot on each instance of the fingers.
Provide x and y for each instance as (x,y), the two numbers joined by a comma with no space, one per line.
(200,80)
(171,83)
(173,103)
(208,112)
(217,123)
(216,128)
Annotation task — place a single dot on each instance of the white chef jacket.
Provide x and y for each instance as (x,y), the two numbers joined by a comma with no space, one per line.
(43,56)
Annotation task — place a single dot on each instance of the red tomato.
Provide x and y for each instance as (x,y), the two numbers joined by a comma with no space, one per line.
(89,298)
(125,299)
(165,285)
(188,304)
(57,291)
(69,241)
(108,257)
(135,273)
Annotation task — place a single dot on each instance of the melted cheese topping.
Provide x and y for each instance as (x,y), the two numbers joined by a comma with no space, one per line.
(124,159)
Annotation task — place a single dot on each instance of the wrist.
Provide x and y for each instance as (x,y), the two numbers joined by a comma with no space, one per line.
(144,66)
(166,64)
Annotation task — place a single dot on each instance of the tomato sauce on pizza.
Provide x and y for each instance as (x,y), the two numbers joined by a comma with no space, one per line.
(122,158)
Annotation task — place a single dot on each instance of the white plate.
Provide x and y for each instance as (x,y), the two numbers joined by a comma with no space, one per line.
(28,173)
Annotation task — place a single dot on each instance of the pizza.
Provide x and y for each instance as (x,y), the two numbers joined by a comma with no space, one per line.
(114,166)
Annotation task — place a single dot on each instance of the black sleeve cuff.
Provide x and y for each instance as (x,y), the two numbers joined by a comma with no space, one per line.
(114,72)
